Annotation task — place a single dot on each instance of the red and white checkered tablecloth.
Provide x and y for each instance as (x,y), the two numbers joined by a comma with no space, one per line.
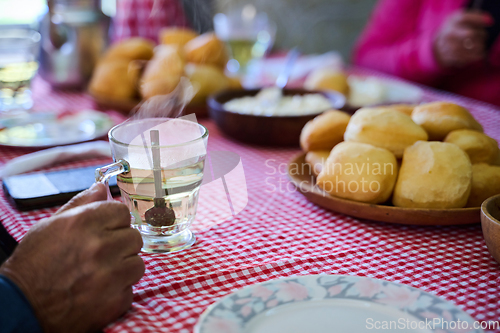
(280,233)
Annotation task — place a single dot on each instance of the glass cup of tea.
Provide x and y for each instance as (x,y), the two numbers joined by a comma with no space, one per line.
(159,166)
(18,65)
(247,34)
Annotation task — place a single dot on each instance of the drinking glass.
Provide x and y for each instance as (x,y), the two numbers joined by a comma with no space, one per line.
(247,34)
(18,65)
(159,181)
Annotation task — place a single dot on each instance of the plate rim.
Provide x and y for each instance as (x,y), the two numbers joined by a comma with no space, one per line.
(95,136)
(445,217)
(388,82)
(204,314)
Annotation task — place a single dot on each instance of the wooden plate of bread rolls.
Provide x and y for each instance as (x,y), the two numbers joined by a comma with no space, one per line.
(305,183)
(431,165)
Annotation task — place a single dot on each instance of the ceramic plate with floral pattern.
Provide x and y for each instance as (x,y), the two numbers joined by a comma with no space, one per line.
(332,303)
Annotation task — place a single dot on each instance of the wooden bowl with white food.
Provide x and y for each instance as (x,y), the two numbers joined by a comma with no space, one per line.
(269,116)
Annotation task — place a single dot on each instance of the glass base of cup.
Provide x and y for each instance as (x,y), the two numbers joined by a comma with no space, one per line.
(168,244)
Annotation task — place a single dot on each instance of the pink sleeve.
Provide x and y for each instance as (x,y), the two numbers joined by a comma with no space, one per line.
(393,42)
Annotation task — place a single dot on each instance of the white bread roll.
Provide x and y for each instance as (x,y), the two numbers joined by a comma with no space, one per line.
(480,147)
(327,79)
(324,131)
(485,183)
(440,118)
(384,127)
(433,175)
(359,171)
(317,159)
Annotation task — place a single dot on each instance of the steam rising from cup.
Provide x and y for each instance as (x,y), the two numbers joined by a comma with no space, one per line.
(167,106)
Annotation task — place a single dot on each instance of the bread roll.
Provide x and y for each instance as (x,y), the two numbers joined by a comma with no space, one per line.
(359,171)
(176,35)
(324,131)
(167,61)
(385,128)
(497,160)
(206,49)
(159,86)
(433,175)
(440,118)
(111,80)
(135,70)
(135,48)
(327,79)
(485,183)
(480,147)
(317,159)
(163,72)
(407,109)
(207,80)
(235,83)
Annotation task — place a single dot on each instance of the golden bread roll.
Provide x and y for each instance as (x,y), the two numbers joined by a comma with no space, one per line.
(111,80)
(485,183)
(207,80)
(480,147)
(407,109)
(360,172)
(135,70)
(167,61)
(159,86)
(324,131)
(131,49)
(384,127)
(317,159)
(206,49)
(235,83)
(176,35)
(440,118)
(433,175)
(327,79)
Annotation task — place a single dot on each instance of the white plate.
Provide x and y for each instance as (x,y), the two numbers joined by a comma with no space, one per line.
(48,130)
(331,303)
(370,90)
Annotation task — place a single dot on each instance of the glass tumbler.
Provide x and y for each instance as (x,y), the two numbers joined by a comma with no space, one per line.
(19,50)
(247,34)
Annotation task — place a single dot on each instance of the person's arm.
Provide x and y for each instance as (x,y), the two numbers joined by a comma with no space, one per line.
(392,42)
(16,313)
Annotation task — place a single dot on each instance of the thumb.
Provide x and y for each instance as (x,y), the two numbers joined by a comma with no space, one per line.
(97,192)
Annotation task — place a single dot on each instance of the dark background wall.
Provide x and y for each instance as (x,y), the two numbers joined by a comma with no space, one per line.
(316,26)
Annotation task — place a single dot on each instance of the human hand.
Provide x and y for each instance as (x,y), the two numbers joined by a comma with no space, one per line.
(461,39)
(77,267)
(97,192)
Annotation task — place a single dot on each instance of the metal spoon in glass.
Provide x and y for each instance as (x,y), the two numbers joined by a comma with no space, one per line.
(159,215)
(272,96)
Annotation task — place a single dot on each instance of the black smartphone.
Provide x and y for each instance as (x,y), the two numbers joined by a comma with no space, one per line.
(47,189)
(491,7)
